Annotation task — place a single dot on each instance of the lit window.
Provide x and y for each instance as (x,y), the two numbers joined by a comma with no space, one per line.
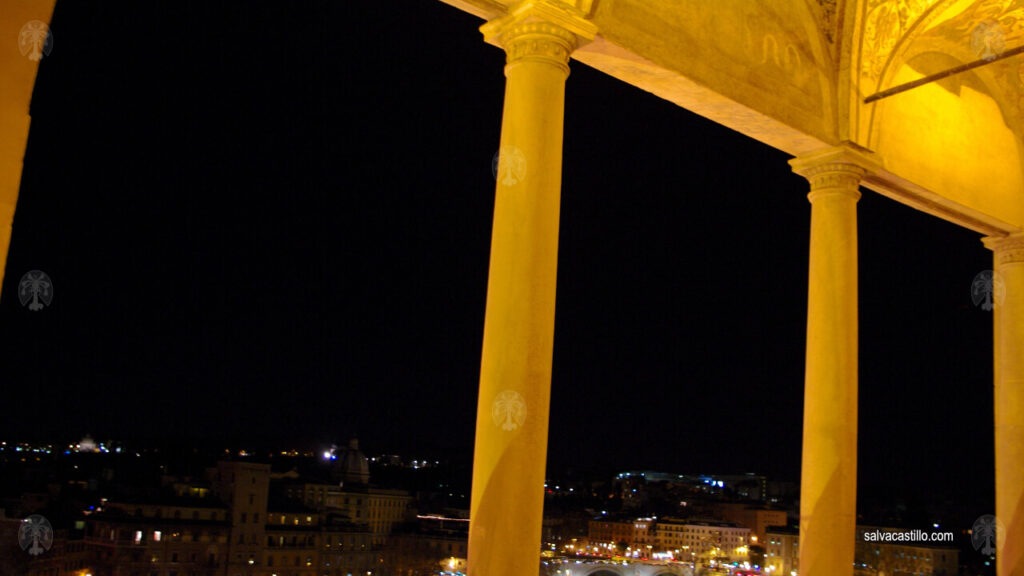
(138,536)
(156,535)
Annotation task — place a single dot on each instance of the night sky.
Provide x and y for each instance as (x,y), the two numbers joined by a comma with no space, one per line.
(272,222)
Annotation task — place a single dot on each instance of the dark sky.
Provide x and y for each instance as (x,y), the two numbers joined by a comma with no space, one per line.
(273,222)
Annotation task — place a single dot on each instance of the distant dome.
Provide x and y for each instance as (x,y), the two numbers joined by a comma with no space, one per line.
(351,465)
(87,444)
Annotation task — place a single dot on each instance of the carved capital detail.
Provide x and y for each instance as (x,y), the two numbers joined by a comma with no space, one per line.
(834,175)
(836,170)
(1007,249)
(541,30)
(539,40)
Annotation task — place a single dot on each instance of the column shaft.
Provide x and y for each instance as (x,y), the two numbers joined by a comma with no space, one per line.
(506,509)
(828,490)
(20,23)
(1008,349)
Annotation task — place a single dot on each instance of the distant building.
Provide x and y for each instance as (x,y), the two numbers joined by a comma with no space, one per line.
(694,540)
(66,555)
(127,539)
(379,509)
(756,518)
(87,444)
(870,558)
(433,543)
(782,491)
(351,467)
(244,487)
(745,486)
(782,553)
(898,558)
(237,525)
(351,496)
(565,527)
(671,537)
(612,532)
(240,519)
(686,539)
(301,542)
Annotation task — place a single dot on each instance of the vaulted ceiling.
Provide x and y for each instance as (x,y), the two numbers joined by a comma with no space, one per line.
(795,75)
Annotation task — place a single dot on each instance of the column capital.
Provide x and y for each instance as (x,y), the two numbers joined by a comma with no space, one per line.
(837,169)
(1007,249)
(542,30)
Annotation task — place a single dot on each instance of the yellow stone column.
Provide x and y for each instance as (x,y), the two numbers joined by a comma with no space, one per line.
(1008,323)
(23,27)
(507,499)
(828,483)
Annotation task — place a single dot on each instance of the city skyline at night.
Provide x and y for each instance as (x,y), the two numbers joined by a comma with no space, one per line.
(339,287)
(512,287)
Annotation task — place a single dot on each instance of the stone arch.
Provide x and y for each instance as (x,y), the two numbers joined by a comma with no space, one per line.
(942,134)
(604,571)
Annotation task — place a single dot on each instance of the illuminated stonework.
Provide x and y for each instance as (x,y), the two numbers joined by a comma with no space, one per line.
(507,501)
(912,99)
(794,75)
(1007,250)
(1008,323)
(828,483)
